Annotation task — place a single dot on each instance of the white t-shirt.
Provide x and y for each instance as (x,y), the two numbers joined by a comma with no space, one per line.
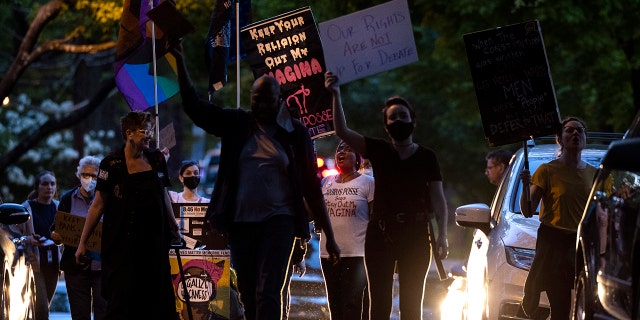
(176,197)
(347,204)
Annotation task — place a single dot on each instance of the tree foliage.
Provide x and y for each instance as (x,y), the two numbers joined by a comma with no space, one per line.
(592,49)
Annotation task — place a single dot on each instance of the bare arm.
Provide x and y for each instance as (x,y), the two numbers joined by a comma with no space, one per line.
(354,139)
(93,217)
(535,194)
(439,202)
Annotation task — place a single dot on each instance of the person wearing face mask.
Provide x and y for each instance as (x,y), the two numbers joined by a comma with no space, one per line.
(266,176)
(408,191)
(189,175)
(83,280)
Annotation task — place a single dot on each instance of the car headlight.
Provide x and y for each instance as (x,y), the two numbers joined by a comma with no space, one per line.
(519,257)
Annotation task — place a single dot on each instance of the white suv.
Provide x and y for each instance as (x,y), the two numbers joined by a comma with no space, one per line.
(504,240)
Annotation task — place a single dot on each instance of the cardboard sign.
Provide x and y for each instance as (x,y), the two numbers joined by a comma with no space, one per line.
(207,275)
(513,82)
(370,41)
(288,48)
(70,226)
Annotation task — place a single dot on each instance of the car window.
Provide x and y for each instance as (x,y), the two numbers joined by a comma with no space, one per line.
(620,200)
(534,163)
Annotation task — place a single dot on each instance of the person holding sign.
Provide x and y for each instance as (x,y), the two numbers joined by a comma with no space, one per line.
(563,185)
(266,181)
(349,197)
(408,187)
(83,280)
(189,175)
(138,226)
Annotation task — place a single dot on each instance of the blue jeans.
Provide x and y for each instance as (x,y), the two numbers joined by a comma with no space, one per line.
(260,254)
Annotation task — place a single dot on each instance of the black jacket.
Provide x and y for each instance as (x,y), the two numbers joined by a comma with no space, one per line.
(234,127)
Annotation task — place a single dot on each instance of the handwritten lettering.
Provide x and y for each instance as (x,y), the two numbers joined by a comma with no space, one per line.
(296,72)
(373,24)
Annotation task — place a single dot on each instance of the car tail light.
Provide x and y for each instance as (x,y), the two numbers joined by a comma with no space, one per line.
(519,257)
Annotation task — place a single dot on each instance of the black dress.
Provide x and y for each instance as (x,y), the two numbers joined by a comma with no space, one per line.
(135,246)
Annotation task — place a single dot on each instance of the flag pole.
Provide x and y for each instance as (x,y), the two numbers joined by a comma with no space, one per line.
(238,54)
(155,77)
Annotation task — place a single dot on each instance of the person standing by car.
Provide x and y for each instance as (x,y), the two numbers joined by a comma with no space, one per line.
(43,254)
(83,280)
(497,164)
(408,189)
(138,227)
(189,176)
(349,198)
(563,186)
(266,181)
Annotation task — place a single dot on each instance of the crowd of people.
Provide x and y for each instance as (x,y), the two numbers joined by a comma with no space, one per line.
(375,218)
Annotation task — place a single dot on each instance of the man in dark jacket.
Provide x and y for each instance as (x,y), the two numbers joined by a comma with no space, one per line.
(266,180)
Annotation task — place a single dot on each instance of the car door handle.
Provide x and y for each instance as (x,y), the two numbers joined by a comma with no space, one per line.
(479,243)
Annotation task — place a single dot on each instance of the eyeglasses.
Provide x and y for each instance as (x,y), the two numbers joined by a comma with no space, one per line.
(89,175)
(570,129)
(146,132)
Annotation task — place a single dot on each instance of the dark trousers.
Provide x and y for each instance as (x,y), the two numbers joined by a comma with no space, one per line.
(46,281)
(346,285)
(408,244)
(83,290)
(552,271)
(260,254)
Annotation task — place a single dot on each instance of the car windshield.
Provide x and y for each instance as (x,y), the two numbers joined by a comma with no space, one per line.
(534,163)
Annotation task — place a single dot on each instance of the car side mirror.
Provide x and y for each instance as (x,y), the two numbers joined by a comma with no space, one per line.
(12,213)
(477,216)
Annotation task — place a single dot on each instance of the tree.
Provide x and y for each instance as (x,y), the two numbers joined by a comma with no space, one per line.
(592,50)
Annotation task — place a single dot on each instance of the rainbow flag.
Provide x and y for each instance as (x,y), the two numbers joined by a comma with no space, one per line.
(134,73)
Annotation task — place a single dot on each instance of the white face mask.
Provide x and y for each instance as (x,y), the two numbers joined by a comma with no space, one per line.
(88,184)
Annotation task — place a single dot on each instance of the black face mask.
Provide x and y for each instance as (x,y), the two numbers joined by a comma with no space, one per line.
(191,182)
(400,130)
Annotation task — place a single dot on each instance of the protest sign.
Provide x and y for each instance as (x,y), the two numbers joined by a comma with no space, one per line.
(288,48)
(513,82)
(369,41)
(195,231)
(207,275)
(69,227)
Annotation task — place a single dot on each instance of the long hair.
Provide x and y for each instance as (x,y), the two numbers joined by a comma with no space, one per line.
(36,183)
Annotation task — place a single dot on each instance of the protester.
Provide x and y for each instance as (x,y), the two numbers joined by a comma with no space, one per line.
(408,189)
(349,198)
(83,281)
(42,252)
(563,185)
(138,226)
(189,176)
(266,176)
(497,164)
